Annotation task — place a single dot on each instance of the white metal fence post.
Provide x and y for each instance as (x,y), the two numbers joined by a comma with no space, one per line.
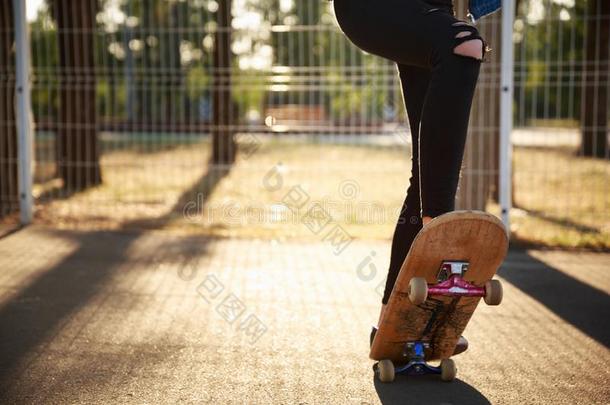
(506,111)
(23,111)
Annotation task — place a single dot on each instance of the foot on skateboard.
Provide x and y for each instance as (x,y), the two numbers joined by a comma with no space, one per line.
(449,268)
(460,347)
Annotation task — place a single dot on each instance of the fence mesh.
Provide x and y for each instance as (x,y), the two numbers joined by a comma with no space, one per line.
(215,117)
(561,169)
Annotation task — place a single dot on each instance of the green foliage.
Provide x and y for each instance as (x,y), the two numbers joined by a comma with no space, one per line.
(549,45)
(156,59)
(45,55)
(248,90)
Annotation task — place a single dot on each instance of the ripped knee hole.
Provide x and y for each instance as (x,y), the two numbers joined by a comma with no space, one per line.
(472,48)
(468,41)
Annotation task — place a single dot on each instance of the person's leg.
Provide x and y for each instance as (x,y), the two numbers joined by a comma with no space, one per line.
(416,34)
(414,82)
(444,120)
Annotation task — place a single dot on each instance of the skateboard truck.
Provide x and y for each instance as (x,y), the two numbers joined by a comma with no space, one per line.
(417,365)
(452,283)
(415,352)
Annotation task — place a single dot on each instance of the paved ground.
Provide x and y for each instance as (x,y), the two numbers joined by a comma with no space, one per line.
(160,318)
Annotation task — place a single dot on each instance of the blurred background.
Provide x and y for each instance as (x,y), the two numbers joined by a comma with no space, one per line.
(203,116)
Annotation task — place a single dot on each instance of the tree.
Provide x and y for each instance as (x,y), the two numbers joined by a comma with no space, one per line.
(77,143)
(594,102)
(8,132)
(223,144)
(151,38)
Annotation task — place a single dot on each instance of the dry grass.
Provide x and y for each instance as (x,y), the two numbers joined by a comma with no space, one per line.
(562,200)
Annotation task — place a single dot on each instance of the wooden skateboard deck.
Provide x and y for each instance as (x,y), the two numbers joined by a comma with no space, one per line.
(475,237)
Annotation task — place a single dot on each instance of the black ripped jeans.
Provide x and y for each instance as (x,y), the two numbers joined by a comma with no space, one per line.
(437,85)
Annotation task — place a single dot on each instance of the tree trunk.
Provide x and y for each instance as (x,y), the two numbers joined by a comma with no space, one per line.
(9,191)
(594,112)
(77,144)
(223,144)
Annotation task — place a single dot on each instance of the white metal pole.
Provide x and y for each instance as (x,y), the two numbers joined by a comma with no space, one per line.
(23,111)
(506,111)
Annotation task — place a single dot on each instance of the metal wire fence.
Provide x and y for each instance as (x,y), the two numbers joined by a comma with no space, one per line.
(561,168)
(209,116)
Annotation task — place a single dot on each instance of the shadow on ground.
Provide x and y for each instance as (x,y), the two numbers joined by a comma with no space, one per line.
(428,390)
(583,306)
(191,199)
(35,313)
(565,222)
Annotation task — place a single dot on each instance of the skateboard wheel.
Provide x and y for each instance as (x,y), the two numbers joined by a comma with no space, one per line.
(418,290)
(493,292)
(448,370)
(386,371)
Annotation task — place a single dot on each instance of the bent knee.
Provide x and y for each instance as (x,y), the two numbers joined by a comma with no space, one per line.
(472,48)
(468,42)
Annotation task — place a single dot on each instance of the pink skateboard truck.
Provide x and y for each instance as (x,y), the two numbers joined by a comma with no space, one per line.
(451,283)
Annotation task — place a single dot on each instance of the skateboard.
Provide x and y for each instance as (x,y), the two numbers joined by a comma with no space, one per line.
(447,271)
